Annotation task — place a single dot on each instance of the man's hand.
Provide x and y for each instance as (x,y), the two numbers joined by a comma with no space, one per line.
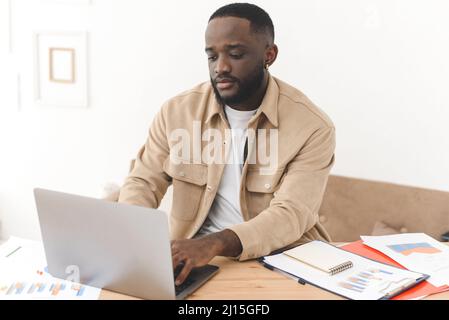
(193,253)
(198,252)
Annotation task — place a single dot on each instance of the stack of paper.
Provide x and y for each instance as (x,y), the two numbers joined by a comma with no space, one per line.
(24,276)
(415,251)
(364,280)
(419,291)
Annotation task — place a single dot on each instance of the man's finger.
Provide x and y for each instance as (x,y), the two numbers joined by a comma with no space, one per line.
(177,259)
(184,273)
(174,247)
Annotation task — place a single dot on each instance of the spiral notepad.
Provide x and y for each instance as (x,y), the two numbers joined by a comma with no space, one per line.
(322,256)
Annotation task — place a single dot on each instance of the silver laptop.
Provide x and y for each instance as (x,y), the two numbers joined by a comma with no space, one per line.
(111,245)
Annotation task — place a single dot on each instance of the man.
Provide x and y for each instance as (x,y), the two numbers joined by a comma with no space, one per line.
(235,208)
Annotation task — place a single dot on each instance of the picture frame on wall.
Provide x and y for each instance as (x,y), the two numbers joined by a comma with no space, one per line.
(61,69)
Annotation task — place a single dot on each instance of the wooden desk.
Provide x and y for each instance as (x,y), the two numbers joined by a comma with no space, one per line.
(250,280)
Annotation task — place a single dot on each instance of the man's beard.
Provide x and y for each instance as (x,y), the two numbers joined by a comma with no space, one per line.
(246,88)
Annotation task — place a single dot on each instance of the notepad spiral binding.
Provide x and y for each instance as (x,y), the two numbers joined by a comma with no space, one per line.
(340,267)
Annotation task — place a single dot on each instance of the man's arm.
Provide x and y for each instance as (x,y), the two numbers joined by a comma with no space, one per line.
(146,185)
(147,182)
(198,252)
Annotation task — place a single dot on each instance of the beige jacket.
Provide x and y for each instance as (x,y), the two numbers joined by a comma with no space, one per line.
(280,209)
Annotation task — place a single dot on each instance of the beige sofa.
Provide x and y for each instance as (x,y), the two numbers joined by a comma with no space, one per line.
(353,207)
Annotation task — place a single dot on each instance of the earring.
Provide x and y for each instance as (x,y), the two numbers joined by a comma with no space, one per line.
(267,66)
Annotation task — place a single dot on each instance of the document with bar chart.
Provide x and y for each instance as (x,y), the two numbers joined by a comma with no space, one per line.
(59,290)
(365,280)
(415,251)
(24,275)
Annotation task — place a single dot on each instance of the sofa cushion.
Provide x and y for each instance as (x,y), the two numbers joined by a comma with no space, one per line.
(351,207)
(380,228)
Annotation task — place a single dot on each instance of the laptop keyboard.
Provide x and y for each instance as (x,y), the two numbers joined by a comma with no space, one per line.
(187,282)
(183,286)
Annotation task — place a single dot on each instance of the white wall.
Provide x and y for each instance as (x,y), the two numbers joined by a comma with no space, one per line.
(378,68)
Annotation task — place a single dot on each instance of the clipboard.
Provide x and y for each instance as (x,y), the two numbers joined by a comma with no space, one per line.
(349,283)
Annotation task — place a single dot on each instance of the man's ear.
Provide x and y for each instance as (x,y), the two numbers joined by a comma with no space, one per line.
(271,54)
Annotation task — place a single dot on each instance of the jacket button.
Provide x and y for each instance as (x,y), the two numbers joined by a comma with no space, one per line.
(209,188)
(267,186)
(182,174)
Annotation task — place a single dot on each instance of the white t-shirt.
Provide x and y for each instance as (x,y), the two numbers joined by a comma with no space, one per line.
(225,210)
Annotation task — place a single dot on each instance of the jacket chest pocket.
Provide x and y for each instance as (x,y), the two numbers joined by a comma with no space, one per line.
(260,188)
(189,182)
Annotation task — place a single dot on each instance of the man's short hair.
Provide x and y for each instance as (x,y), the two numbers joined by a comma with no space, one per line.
(259,19)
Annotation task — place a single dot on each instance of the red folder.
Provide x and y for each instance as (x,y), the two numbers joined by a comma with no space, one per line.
(422,289)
